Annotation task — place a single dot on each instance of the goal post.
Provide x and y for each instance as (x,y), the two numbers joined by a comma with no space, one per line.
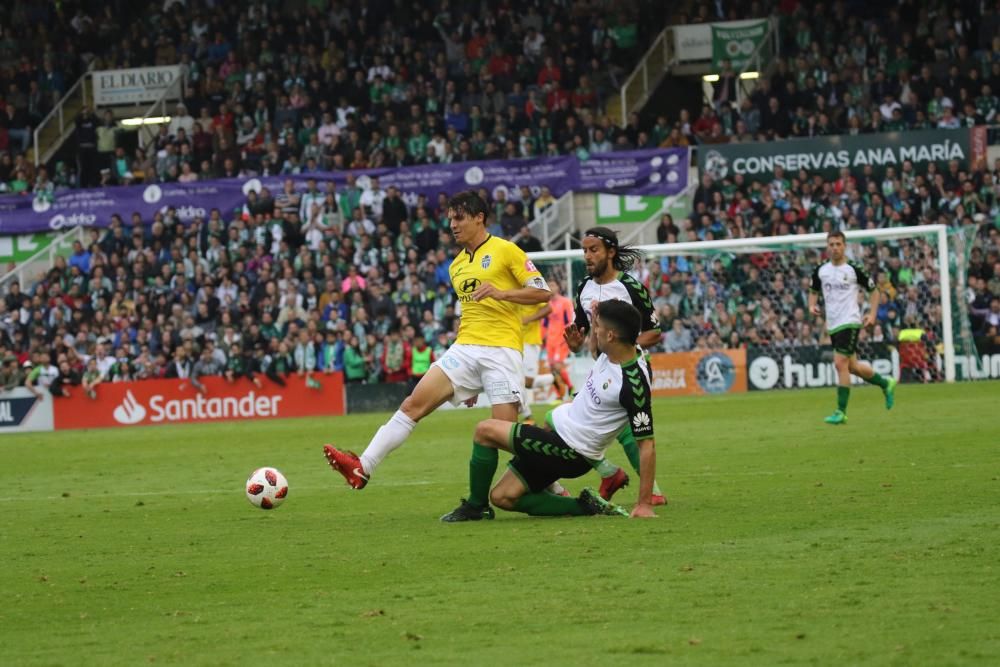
(917,316)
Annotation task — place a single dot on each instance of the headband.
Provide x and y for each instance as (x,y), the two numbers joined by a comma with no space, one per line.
(609,237)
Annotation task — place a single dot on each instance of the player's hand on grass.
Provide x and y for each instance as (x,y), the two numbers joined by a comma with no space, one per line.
(574,337)
(642,511)
(487,291)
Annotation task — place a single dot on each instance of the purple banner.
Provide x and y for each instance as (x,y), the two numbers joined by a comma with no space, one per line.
(657,171)
(646,172)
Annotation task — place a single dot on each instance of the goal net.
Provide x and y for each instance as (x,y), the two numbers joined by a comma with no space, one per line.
(735,312)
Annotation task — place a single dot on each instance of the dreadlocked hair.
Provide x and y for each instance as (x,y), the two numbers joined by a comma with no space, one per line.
(626,256)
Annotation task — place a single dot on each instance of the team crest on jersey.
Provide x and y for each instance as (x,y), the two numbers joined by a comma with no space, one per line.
(486,262)
(607,383)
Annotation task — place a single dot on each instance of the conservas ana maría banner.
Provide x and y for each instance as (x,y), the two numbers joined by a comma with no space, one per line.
(828,155)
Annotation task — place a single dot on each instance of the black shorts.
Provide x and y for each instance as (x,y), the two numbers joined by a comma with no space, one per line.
(542,457)
(845,341)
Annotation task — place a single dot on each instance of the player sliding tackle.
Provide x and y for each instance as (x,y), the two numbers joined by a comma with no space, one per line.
(615,395)
(492,278)
(607,261)
(840,282)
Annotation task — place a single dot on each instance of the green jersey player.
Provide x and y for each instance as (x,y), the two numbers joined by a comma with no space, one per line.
(616,394)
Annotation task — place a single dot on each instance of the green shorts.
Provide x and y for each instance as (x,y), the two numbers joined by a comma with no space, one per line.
(542,457)
(845,341)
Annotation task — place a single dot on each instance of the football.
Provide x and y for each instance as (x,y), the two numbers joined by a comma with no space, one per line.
(267,488)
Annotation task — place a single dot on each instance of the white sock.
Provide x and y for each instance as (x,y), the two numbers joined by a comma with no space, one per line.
(543,381)
(387,439)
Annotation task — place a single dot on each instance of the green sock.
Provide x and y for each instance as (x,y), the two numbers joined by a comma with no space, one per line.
(606,468)
(878,381)
(482,467)
(843,394)
(548,504)
(630,446)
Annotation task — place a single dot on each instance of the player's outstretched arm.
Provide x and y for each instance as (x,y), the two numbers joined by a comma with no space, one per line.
(647,473)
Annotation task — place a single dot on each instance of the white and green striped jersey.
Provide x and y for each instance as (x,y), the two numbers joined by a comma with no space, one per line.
(623,288)
(840,285)
(612,397)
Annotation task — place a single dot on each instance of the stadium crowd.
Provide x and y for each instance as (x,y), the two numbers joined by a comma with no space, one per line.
(316,280)
(275,89)
(340,85)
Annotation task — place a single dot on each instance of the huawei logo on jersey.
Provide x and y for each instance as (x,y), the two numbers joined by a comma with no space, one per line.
(640,420)
(470,285)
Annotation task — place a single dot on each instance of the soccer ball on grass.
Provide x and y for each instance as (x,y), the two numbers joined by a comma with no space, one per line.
(267,488)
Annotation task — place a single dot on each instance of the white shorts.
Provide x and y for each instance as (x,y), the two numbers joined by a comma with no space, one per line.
(472,369)
(532,353)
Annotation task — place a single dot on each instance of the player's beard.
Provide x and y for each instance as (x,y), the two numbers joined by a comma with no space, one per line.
(598,269)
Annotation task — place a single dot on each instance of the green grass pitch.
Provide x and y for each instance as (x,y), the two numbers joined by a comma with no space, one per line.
(786,541)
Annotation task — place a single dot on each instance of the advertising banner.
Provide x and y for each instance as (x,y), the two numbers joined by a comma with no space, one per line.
(653,172)
(21,411)
(660,171)
(828,155)
(699,373)
(93,207)
(812,366)
(136,85)
(150,402)
(736,44)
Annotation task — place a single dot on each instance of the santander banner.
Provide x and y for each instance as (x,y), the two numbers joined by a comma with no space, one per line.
(152,402)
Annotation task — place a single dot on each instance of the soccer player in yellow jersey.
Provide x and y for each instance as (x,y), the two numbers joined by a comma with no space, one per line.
(492,278)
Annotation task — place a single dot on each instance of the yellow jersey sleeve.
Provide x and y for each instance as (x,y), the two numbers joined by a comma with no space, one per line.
(490,322)
(522,268)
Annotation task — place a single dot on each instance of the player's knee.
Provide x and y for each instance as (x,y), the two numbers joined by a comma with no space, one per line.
(501,499)
(487,432)
(482,430)
(408,406)
(414,408)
